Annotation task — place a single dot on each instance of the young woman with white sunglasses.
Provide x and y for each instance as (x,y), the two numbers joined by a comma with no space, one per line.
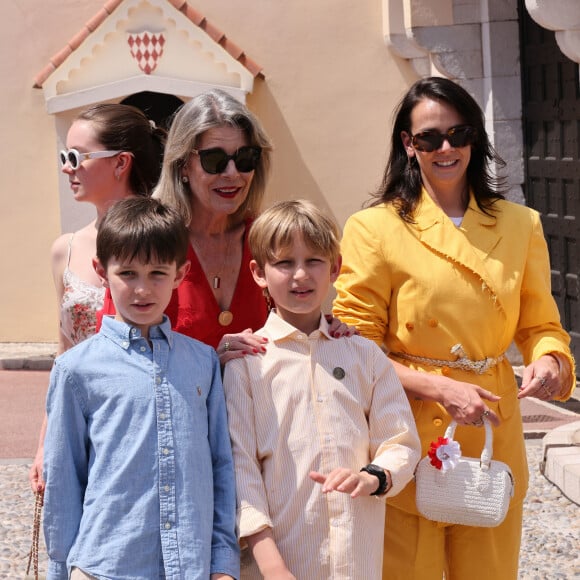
(113,152)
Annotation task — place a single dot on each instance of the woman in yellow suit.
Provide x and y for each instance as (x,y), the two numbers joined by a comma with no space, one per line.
(445,274)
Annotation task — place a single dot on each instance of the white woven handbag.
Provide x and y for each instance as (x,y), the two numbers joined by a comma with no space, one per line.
(475,492)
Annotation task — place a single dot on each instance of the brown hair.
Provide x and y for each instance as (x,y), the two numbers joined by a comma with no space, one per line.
(121,127)
(401,184)
(143,228)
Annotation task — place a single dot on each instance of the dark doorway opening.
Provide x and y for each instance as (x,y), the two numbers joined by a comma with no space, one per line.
(157,106)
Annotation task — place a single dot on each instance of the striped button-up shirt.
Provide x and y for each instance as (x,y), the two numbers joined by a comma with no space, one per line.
(316,403)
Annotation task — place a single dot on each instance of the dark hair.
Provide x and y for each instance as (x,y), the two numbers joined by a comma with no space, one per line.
(121,127)
(213,109)
(402,183)
(142,228)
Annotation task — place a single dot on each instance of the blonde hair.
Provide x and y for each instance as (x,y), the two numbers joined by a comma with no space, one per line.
(210,110)
(276,227)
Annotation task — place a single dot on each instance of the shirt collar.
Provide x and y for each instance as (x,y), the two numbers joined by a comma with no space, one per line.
(428,213)
(279,329)
(122,333)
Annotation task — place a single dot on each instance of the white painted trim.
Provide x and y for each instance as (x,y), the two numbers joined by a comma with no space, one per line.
(131,85)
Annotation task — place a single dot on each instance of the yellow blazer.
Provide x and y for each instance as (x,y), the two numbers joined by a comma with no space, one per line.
(422,288)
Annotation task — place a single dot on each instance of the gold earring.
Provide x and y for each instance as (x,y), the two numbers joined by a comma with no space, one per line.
(269,301)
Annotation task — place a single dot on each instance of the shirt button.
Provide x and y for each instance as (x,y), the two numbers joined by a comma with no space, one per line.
(166,488)
(437,422)
(432,322)
(319,399)
(167,526)
(124,344)
(158,380)
(143,349)
(162,416)
(165,451)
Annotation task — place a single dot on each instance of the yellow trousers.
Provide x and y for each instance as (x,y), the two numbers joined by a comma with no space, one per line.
(419,549)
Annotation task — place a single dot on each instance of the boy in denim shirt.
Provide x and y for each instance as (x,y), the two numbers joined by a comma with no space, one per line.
(138,465)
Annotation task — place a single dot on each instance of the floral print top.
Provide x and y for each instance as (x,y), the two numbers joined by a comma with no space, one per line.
(79,306)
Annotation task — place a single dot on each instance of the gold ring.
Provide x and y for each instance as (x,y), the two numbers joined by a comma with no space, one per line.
(226,346)
(485,413)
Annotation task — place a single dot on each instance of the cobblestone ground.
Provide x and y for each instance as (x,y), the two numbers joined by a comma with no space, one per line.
(551,534)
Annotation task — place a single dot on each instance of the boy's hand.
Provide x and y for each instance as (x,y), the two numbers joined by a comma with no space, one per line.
(356,483)
(267,556)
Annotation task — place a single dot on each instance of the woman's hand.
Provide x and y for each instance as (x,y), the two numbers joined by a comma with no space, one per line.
(233,346)
(338,329)
(465,403)
(541,379)
(35,472)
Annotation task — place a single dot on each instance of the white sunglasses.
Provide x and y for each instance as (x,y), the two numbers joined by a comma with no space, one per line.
(74,158)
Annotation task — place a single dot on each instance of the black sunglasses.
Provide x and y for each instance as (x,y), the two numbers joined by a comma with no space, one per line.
(216,160)
(432,140)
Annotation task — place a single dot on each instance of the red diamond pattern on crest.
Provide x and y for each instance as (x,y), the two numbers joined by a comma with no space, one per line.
(146,48)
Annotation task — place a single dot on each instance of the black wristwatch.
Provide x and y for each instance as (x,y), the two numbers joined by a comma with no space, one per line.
(380,473)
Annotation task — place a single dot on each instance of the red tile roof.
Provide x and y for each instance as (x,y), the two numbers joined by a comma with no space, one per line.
(196,17)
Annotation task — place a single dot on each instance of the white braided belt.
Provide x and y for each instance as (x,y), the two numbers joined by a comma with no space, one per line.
(461,362)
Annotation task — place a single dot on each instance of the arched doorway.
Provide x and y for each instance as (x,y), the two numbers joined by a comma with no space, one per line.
(157,106)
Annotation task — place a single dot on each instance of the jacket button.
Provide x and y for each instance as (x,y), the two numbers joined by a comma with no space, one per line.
(409,326)
(445,371)
(437,422)
(432,322)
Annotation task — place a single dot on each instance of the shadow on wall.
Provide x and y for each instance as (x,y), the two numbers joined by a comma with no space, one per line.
(290,177)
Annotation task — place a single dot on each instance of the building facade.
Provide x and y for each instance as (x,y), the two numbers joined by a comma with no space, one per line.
(324,78)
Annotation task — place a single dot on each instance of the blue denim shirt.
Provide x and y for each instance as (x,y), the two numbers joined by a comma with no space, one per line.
(137,459)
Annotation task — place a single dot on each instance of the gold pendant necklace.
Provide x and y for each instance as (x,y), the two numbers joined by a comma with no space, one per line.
(225,317)
(217,280)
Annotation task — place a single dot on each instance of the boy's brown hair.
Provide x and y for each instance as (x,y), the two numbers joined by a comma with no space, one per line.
(276,227)
(142,228)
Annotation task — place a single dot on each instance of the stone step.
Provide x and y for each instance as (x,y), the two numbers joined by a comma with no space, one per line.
(561,459)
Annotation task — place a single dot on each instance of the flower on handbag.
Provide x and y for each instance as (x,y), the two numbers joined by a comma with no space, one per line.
(444,453)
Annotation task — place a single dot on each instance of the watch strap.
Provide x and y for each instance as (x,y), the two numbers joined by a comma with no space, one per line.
(380,473)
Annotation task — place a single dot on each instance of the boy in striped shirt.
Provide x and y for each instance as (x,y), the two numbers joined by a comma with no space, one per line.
(320,427)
